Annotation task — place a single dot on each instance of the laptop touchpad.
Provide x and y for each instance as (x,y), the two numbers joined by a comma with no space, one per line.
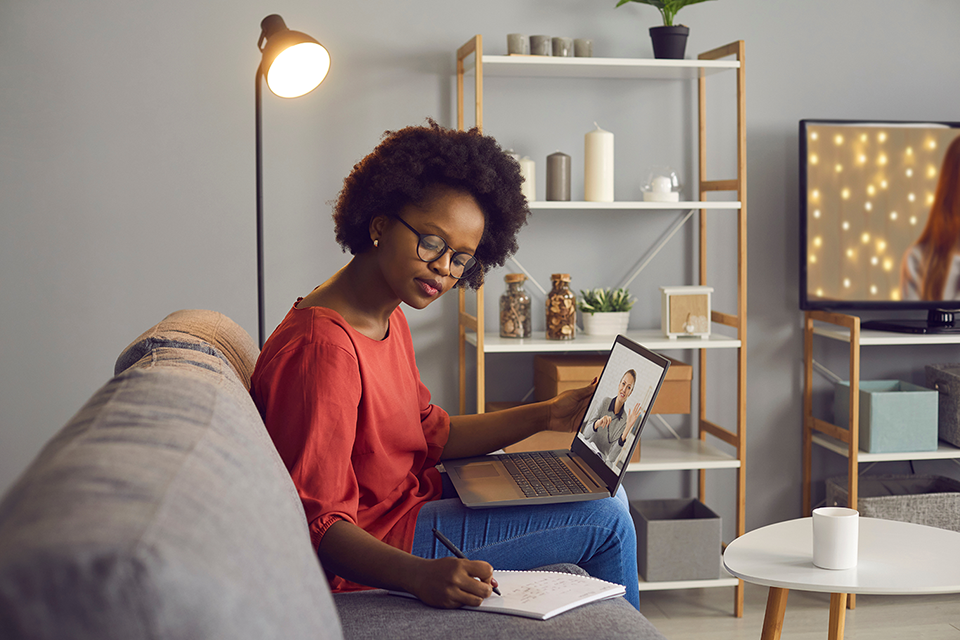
(481,470)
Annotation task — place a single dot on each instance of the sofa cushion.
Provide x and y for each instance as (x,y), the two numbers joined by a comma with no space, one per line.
(206,331)
(161,510)
(372,615)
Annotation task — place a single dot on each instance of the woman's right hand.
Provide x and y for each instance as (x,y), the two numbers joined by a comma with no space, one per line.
(449,583)
(602,423)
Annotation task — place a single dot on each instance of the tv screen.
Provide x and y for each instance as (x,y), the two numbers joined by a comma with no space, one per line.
(880,218)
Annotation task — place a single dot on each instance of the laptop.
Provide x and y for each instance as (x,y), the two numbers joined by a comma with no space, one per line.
(597,460)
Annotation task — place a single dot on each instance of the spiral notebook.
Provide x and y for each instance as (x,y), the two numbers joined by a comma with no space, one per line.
(543,594)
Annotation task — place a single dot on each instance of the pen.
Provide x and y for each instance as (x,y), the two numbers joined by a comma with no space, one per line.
(453,549)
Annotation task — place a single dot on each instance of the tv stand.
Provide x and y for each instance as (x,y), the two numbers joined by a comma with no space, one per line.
(938,321)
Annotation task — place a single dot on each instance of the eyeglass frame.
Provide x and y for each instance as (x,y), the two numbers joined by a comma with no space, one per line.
(467,272)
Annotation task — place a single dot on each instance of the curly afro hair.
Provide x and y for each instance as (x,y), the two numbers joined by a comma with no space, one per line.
(405,168)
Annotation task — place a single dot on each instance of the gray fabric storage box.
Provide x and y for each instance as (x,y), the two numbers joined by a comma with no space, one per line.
(895,416)
(676,540)
(945,378)
(922,499)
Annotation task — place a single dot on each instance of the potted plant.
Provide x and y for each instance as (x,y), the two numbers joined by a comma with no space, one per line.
(605,312)
(669,40)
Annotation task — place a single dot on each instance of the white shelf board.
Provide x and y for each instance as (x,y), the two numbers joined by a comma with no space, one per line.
(639,68)
(944,451)
(687,584)
(671,454)
(871,337)
(650,338)
(581,205)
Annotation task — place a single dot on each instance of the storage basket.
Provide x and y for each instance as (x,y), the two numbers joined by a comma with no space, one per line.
(922,499)
(945,378)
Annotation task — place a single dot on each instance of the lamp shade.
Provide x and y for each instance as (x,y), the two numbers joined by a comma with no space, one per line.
(293,63)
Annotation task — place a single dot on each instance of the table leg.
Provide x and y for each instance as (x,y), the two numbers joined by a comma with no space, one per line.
(838,606)
(773,617)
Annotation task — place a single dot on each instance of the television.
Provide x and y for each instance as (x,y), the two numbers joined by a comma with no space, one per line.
(880,221)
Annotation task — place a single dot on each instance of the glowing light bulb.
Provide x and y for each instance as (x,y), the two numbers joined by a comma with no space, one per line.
(814,159)
(865,237)
(893,215)
(931,171)
(871,190)
(881,245)
(895,294)
(838,167)
(813,259)
(845,194)
(816,213)
(882,136)
(868,206)
(850,253)
(819,293)
(874,260)
(931,144)
(845,226)
(882,159)
(873,289)
(883,184)
(929,199)
(861,159)
(888,264)
(846,283)
(863,137)
(911,197)
(909,151)
(814,135)
(815,194)
(817,241)
(913,220)
(909,172)
(838,139)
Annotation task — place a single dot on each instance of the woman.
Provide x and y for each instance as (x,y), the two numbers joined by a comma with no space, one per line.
(608,426)
(930,268)
(338,387)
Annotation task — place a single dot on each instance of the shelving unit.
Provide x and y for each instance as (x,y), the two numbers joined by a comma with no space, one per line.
(845,441)
(656,455)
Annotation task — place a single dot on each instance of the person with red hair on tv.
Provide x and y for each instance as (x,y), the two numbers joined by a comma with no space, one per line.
(930,269)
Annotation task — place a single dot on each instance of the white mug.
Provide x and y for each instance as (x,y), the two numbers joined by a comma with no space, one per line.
(836,532)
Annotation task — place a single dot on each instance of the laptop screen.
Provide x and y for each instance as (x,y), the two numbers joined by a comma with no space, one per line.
(618,410)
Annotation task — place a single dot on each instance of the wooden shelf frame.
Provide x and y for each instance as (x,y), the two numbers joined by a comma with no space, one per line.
(729,58)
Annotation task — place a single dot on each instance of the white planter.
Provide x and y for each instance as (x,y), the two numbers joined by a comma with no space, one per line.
(605,324)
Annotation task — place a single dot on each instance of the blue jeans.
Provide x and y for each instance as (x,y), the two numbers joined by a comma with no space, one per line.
(597,535)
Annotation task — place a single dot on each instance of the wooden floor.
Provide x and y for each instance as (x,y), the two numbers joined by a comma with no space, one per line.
(707,614)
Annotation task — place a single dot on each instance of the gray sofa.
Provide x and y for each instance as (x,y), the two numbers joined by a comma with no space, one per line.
(162,510)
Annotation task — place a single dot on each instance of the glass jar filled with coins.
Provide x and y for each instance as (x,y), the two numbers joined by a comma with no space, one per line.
(561,309)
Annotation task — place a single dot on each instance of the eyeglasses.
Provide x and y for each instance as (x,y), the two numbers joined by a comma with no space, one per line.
(431,247)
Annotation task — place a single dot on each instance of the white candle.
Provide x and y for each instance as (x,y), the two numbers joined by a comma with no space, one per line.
(528,171)
(598,165)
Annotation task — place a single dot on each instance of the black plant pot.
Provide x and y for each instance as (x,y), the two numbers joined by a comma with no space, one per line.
(669,42)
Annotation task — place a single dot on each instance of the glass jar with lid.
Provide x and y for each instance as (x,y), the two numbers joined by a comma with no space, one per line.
(561,309)
(515,308)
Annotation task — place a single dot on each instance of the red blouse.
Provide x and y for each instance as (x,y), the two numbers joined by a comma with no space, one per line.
(353,423)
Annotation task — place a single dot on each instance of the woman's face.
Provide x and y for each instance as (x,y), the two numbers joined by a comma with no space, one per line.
(452,215)
(626,387)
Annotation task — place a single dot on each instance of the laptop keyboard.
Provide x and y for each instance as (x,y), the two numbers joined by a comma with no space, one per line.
(541,473)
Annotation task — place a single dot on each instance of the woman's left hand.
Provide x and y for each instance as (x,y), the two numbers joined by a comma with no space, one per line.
(568,409)
(633,416)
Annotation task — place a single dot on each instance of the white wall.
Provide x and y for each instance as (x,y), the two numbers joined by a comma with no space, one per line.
(127,166)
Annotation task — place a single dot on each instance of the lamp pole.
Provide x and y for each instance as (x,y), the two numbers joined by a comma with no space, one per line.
(261,313)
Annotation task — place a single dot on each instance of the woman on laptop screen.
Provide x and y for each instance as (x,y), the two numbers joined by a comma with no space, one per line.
(337,384)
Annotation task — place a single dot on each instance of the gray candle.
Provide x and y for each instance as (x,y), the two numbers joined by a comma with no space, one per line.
(518,44)
(540,45)
(583,48)
(563,47)
(558,177)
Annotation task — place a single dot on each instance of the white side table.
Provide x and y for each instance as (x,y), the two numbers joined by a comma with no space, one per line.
(894,558)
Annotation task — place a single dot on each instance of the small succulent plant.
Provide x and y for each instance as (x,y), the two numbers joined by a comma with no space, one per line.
(605,300)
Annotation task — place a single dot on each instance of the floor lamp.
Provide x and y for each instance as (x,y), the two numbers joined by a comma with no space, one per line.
(293,64)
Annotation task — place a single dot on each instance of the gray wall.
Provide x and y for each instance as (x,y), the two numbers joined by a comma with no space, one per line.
(127,166)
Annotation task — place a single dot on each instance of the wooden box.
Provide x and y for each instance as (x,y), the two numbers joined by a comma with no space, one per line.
(554,374)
